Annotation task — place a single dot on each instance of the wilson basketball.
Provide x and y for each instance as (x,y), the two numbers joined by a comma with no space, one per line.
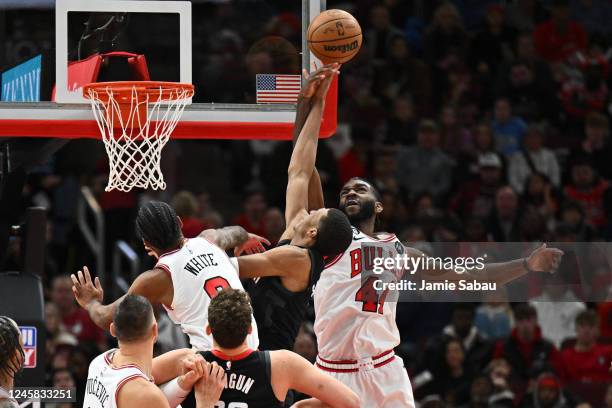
(334,36)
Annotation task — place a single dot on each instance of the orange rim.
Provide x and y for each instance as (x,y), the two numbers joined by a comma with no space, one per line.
(123,91)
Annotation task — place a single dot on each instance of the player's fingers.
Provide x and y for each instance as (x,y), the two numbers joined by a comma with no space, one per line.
(97,283)
(81,278)
(87,275)
(305,73)
(75,281)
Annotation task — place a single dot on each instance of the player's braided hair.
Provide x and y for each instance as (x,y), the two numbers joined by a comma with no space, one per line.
(157,224)
(9,344)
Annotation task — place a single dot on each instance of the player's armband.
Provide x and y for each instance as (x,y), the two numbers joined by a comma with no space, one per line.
(173,392)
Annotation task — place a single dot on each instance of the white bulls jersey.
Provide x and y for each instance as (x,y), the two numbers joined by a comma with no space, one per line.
(104,381)
(352,321)
(199,270)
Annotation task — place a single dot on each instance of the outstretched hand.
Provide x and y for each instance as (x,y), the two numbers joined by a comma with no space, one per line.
(85,290)
(193,367)
(253,245)
(314,80)
(544,259)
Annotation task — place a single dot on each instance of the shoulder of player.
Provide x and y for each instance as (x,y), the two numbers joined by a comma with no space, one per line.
(286,361)
(140,392)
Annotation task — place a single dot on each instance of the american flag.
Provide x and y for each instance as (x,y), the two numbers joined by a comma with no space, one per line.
(272,88)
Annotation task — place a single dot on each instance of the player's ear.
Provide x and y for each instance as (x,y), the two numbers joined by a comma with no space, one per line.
(208,330)
(155,331)
(113,331)
(378,207)
(180,222)
(312,233)
(250,331)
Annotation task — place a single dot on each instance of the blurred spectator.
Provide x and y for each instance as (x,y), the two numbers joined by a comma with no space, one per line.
(402,74)
(493,45)
(482,143)
(462,328)
(504,221)
(596,145)
(62,379)
(186,205)
(425,168)
(507,129)
(547,392)
(593,15)
(56,332)
(559,37)
(584,88)
(587,188)
(608,400)
(586,361)
(401,127)
(481,390)
(494,317)
(445,39)
(533,157)
(206,212)
(476,197)
(381,32)
(394,217)
(275,224)
(524,15)
(385,168)
(557,308)
(500,373)
(255,206)
(526,350)
(538,195)
(455,137)
(573,218)
(75,319)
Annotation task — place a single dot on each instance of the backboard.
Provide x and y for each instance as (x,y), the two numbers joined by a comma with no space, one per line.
(243,57)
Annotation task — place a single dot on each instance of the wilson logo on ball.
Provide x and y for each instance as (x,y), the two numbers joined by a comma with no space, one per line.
(342,47)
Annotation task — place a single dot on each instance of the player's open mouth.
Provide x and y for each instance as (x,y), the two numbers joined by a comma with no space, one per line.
(351,203)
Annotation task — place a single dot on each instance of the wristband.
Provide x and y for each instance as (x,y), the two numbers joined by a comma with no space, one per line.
(173,392)
(526,266)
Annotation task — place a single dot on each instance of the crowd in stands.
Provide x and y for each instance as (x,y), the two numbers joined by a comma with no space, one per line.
(478,120)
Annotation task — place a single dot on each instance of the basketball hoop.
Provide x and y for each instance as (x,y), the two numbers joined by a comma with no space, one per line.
(136,119)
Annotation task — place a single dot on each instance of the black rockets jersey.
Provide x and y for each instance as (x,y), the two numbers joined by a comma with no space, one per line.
(248,379)
(278,311)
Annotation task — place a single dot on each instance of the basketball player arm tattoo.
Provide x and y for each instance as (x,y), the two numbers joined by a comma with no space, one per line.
(292,371)
(542,259)
(283,261)
(227,237)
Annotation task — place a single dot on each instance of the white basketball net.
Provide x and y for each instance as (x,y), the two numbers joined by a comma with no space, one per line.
(134,145)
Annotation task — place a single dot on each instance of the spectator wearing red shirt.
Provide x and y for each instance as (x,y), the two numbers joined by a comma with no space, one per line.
(186,205)
(559,37)
(528,353)
(587,361)
(75,319)
(588,189)
(253,218)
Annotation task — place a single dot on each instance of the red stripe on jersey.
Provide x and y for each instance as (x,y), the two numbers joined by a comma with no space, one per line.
(237,357)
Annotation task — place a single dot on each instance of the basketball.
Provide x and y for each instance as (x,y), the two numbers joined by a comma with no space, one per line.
(334,36)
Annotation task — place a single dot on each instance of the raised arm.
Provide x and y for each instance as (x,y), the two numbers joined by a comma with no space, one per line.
(315,190)
(281,261)
(291,371)
(155,285)
(304,154)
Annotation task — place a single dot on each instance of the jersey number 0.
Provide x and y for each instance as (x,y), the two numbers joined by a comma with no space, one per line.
(215,285)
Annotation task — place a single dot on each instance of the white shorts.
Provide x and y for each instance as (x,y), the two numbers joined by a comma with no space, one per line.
(387,386)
